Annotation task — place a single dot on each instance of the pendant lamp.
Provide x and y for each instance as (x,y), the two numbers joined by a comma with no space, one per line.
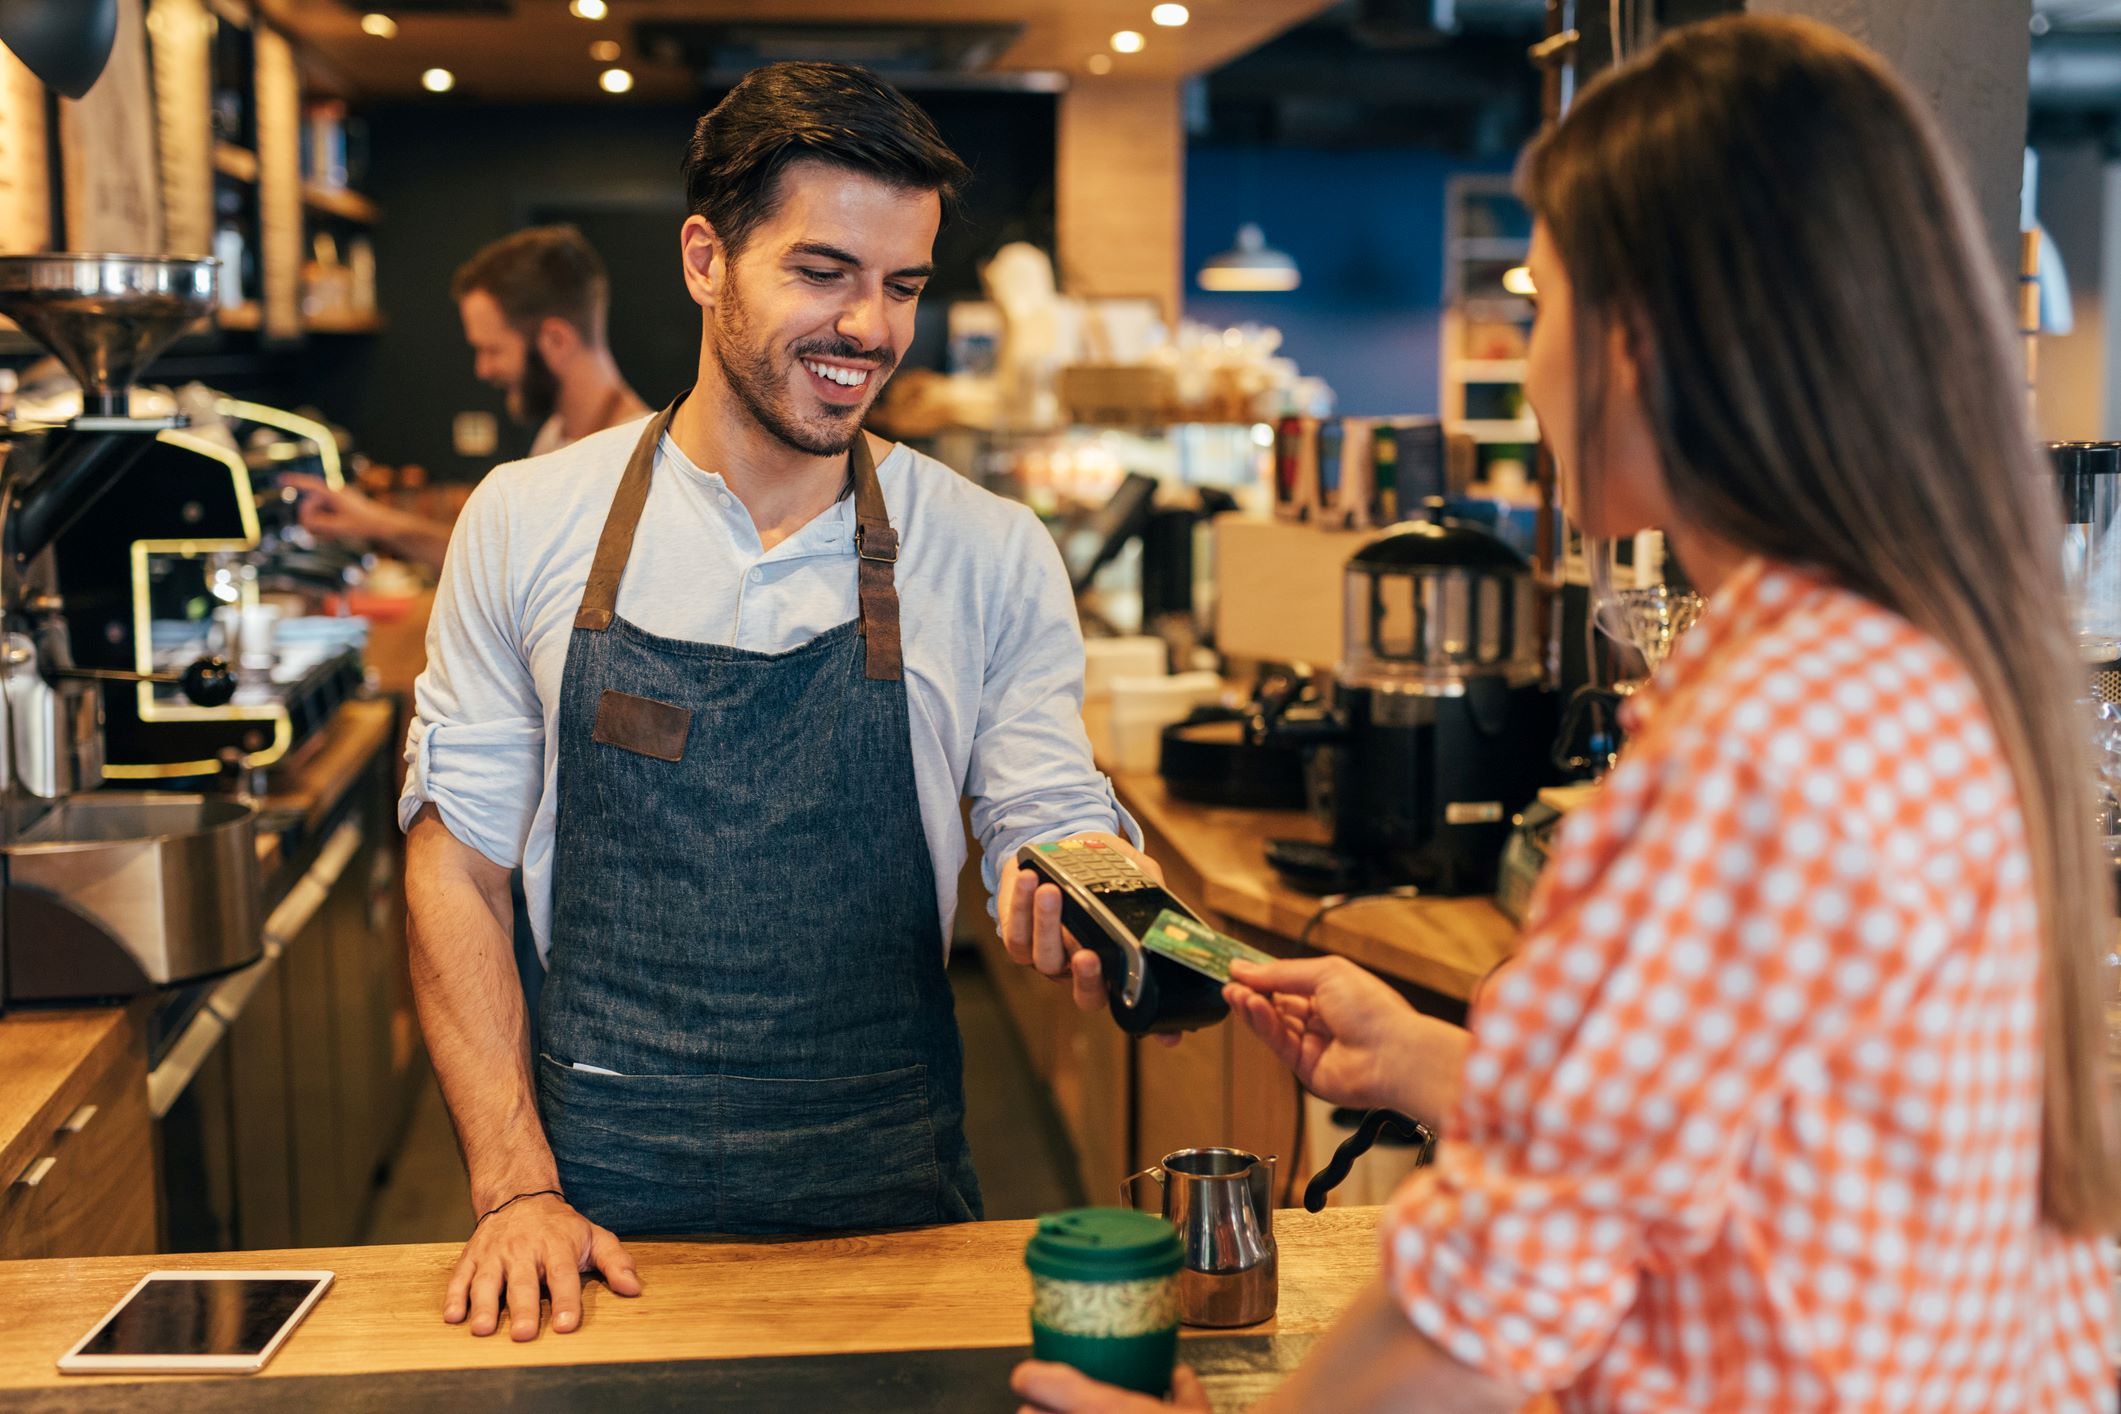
(1251,265)
(65,43)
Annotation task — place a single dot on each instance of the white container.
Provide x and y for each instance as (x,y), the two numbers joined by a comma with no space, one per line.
(1143,707)
(1107,659)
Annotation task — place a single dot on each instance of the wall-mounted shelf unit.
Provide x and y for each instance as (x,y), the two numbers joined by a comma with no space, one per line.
(1486,328)
(343,323)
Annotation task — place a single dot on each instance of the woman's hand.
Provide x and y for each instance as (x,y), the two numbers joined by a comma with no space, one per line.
(1047,1388)
(1351,1039)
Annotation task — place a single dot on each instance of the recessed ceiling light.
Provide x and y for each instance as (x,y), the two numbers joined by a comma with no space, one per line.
(615,81)
(604,51)
(1170,16)
(1127,41)
(438,81)
(381,26)
(1099,63)
(588,9)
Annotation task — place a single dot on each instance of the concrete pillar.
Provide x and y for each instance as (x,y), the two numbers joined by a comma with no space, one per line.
(1969,59)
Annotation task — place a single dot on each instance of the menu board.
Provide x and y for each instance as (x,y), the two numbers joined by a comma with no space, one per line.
(25,171)
(107,150)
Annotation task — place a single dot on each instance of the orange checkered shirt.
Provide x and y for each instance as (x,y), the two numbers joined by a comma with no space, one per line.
(1753,1120)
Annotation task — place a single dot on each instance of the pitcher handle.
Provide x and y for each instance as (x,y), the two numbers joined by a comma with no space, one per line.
(1126,1185)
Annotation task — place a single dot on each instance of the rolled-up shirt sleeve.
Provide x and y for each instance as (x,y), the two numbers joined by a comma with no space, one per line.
(1031,776)
(476,747)
(1721,931)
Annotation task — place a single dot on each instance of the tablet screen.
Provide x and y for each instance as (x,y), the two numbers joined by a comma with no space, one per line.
(200,1316)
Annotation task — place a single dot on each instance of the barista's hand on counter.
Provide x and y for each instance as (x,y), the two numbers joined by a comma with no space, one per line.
(530,1240)
(1030,917)
(1349,1037)
(1047,1388)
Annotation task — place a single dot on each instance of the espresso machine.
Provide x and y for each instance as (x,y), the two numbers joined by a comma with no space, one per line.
(103,894)
(1439,723)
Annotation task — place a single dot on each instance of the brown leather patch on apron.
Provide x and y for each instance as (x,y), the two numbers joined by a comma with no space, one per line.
(641,724)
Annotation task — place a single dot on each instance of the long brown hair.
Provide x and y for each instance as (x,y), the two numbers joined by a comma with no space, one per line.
(1795,261)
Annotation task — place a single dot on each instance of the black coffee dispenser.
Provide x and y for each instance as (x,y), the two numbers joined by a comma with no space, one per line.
(1440,720)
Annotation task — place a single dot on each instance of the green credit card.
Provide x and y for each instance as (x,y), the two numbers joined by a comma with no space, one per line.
(1194,944)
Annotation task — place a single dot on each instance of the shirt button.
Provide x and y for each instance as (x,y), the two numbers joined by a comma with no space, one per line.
(757,575)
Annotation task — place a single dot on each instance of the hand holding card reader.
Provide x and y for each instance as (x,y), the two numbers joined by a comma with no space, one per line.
(1108,902)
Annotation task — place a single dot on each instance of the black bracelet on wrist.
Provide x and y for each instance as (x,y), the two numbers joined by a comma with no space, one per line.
(534,1193)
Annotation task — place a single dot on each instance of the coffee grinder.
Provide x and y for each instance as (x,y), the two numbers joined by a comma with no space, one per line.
(1440,720)
(102,894)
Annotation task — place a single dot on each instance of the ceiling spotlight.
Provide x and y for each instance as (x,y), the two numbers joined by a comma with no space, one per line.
(438,81)
(588,9)
(1518,281)
(604,51)
(1127,41)
(1170,16)
(381,26)
(615,80)
(1099,63)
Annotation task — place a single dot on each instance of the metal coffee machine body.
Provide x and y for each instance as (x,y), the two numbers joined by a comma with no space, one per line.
(102,894)
(1441,722)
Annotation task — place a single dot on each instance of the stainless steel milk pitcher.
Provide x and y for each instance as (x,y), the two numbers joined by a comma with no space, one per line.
(1222,1203)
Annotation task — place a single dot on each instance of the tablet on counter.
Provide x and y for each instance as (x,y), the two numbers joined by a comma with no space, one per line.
(193,1323)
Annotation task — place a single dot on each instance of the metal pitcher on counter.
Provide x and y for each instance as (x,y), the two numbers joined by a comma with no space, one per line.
(1222,1203)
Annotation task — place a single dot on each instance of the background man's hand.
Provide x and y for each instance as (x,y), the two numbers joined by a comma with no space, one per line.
(339,515)
(1030,913)
(530,1241)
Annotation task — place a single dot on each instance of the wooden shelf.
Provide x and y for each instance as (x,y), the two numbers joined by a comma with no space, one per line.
(236,163)
(1523,429)
(346,205)
(1486,370)
(241,318)
(350,323)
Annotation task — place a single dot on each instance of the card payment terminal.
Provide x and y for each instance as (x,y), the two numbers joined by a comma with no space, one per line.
(1107,903)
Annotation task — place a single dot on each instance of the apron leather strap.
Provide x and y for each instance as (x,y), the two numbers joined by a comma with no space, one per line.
(875,548)
(876,558)
(600,597)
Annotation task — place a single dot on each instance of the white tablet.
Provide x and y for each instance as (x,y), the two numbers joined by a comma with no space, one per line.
(190,1323)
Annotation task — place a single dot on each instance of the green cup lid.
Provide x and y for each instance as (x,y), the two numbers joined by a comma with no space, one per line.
(1104,1244)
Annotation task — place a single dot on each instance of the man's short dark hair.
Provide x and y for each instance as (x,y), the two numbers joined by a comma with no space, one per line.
(786,113)
(544,272)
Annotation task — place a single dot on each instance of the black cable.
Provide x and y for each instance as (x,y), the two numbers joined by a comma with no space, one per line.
(1329,904)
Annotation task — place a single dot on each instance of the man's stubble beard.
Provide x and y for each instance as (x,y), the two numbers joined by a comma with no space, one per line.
(748,370)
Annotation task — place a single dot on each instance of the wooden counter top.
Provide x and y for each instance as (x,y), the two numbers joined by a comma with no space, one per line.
(50,1060)
(1444,944)
(313,781)
(961,1287)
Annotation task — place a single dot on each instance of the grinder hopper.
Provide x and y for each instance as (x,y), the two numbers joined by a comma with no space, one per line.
(106,317)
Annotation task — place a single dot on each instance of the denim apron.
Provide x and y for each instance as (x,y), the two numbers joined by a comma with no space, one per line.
(744,923)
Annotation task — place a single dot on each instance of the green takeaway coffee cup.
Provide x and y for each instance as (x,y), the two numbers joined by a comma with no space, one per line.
(1104,1295)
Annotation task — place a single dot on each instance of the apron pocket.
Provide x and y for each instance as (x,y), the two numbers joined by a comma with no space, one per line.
(635,1152)
(829,1155)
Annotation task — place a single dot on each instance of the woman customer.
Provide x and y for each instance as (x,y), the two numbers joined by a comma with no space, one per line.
(1793,1098)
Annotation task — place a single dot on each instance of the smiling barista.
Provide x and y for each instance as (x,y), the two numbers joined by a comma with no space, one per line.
(670,673)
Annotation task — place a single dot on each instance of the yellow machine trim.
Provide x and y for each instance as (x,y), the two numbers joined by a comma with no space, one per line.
(305,427)
(143,626)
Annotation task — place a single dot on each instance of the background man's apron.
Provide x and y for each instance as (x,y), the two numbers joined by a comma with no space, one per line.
(744,923)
